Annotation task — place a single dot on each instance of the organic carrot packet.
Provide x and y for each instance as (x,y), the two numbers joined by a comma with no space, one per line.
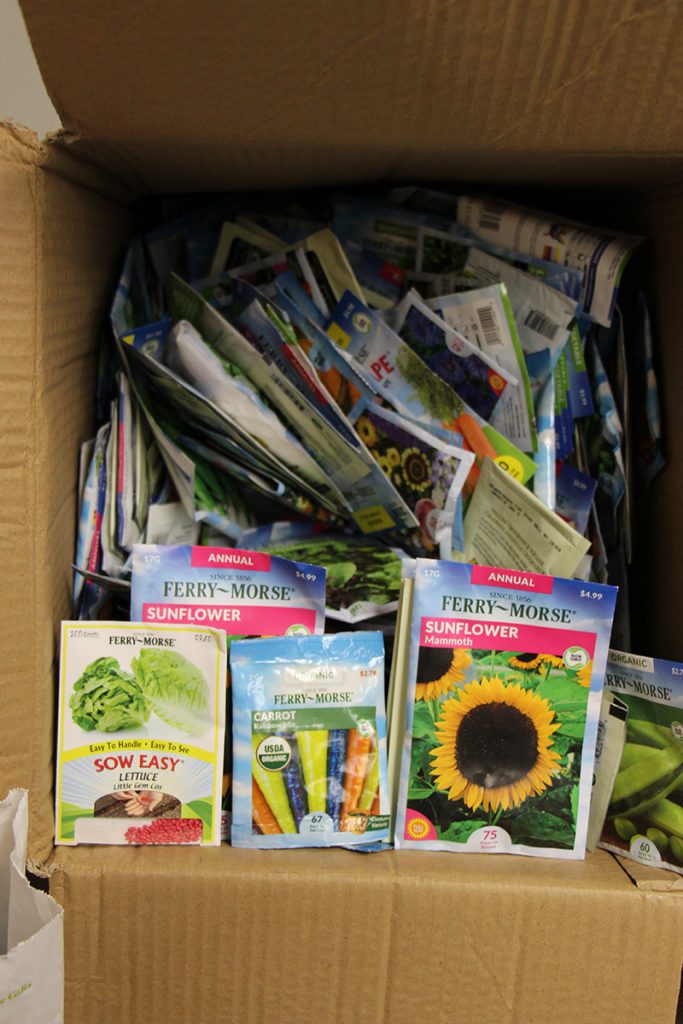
(504,682)
(309,741)
(645,814)
(243,593)
(141,734)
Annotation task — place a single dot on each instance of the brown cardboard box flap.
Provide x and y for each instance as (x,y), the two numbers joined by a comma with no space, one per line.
(210,94)
(330,936)
(58,262)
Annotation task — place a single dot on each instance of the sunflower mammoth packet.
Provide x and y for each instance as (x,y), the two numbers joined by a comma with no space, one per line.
(504,681)
(309,741)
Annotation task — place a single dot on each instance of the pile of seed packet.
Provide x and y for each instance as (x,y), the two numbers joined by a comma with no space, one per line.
(319,418)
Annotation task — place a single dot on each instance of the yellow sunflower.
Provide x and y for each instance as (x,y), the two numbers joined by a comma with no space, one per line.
(394,456)
(438,670)
(526,662)
(496,745)
(417,469)
(383,463)
(552,660)
(367,431)
(583,676)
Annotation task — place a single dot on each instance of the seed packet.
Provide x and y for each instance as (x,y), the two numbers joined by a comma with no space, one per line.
(88,548)
(543,315)
(484,316)
(141,734)
(608,751)
(476,378)
(600,255)
(427,472)
(309,740)
(363,576)
(239,246)
(506,525)
(645,814)
(244,593)
(580,396)
(505,679)
(574,493)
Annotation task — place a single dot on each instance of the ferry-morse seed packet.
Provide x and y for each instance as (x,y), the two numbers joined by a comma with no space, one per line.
(244,593)
(141,734)
(505,677)
(309,738)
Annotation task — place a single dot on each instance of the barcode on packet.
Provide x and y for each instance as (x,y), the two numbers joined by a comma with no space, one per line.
(490,217)
(535,321)
(489,325)
(600,740)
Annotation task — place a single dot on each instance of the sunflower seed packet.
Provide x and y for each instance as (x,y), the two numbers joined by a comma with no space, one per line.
(504,683)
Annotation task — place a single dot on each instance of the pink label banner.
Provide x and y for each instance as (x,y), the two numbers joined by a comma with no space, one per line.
(253,620)
(503,636)
(230,558)
(512,579)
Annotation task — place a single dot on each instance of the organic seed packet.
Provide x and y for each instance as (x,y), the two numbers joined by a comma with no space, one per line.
(645,814)
(243,593)
(505,678)
(141,734)
(309,740)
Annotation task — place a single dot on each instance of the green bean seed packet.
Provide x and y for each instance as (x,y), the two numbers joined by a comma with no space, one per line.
(645,815)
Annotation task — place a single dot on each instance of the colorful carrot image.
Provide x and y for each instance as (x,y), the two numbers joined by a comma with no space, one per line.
(312,744)
(261,814)
(294,784)
(357,756)
(336,765)
(371,782)
(272,785)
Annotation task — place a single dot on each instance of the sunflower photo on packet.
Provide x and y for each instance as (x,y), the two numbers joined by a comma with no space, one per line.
(504,681)
(309,741)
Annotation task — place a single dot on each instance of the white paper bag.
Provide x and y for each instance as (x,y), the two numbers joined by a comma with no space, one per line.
(31,930)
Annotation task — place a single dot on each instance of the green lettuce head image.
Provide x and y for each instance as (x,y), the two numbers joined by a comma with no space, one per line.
(108,699)
(174,688)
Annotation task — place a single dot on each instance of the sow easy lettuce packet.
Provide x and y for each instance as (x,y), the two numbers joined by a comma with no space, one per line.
(309,741)
(141,734)
(645,813)
(504,683)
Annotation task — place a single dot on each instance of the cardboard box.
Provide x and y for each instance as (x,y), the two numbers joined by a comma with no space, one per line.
(584,101)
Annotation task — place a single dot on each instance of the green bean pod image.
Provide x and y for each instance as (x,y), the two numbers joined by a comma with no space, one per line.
(645,782)
(667,816)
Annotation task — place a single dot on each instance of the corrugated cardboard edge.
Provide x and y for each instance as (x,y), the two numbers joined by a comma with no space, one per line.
(335,936)
(650,879)
(62,244)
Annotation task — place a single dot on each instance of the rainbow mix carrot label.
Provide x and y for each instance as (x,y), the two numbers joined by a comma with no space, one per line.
(505,676)
(309,741)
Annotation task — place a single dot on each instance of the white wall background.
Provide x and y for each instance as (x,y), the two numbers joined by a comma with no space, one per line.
(22,94)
